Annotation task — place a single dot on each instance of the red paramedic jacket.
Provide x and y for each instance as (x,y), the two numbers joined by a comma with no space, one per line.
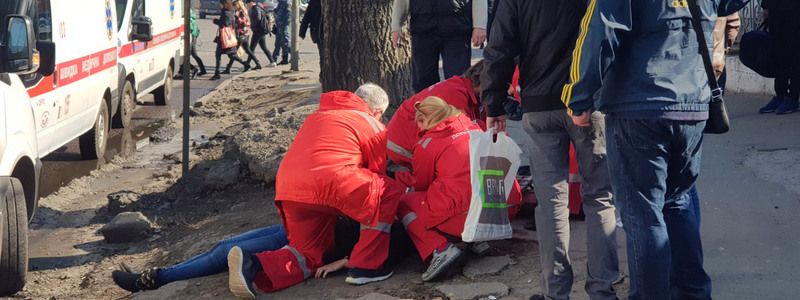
(335,159)
(403,132)
(441,169)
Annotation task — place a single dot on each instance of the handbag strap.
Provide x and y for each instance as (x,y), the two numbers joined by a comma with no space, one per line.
(716,91)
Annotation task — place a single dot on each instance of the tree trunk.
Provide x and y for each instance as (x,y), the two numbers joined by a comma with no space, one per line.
(358,48)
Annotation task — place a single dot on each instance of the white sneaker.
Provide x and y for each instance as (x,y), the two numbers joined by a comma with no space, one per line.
(441,262)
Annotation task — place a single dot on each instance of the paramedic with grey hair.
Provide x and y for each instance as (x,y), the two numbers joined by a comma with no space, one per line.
(335,166)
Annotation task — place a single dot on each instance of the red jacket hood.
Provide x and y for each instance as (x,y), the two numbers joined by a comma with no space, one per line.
(450,126)
(342,100)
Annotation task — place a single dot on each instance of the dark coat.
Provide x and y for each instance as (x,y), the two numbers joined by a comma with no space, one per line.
(312,19)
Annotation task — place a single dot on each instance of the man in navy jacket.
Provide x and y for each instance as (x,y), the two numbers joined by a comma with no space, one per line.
(638,62)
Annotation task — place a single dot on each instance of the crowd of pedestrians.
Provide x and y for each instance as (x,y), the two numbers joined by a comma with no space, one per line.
(617,81)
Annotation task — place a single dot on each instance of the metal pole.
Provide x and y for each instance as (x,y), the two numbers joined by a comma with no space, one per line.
(187,36)
(295,33)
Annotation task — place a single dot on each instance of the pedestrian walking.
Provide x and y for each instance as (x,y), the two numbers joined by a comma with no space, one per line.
(283,22)
(201,70)
(243,33)
(439,28)
(261,22)
(312,19)
(726,29)
(542,42)
(639,63)
(783,21)
(227,19)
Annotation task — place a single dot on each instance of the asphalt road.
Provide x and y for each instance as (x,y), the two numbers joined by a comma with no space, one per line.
(66,164)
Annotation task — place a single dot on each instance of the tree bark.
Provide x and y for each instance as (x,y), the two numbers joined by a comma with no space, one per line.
(358,48)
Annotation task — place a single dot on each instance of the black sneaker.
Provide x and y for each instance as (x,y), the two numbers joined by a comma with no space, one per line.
(241,273)
(362,276)
(441,262)
(772,106)
(283,62)
(788,106)
(215,77)
(135,282)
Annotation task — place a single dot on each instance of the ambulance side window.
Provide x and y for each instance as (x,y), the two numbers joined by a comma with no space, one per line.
(121,5)
(138,8)
(44,21)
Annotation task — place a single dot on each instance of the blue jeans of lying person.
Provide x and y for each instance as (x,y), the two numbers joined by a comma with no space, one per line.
(216,260)
(654,164)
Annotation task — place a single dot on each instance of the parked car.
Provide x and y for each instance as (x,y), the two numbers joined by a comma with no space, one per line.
(57,83)
(209,7)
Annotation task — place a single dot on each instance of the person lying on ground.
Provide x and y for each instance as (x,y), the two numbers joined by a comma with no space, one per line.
(441,182)
(462,91)
(267,238)
(335,166)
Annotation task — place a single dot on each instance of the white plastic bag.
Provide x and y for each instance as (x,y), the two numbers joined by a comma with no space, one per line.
(493,168)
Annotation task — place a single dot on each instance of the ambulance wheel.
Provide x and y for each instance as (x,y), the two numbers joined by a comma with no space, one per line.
(163,93)
(14,233)
(127,104)
(93,142)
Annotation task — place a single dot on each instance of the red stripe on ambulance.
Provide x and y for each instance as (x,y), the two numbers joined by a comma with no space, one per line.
(159,39)
(75,70)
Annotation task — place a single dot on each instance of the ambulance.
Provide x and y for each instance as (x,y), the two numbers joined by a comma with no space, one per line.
(59,81)
(150,50)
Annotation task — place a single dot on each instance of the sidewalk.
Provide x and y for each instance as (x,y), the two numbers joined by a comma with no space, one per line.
(750,199)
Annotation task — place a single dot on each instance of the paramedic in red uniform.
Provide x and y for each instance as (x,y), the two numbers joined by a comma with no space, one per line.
(463,92)
(441,181)
(335,166)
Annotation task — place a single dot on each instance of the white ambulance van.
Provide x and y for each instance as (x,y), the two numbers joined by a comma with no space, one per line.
(58,82)
(150,48)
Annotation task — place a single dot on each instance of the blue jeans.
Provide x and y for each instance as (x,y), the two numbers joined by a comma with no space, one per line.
(216,260)
(654,164)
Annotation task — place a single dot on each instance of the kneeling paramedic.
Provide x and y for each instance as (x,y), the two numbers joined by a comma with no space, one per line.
(335,166)
(463,92)
(441,182)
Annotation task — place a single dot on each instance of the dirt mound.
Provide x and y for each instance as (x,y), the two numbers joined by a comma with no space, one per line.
(260,145)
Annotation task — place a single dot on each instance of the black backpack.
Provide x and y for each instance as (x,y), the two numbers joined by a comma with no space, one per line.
(266,19)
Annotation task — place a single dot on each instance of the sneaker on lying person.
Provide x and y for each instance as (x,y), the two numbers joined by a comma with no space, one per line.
(442,261)
(242,270)
(357,276)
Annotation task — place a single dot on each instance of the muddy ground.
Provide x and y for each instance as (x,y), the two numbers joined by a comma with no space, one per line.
(239,133)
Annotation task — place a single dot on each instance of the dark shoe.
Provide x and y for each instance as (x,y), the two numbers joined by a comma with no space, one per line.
(227,71)
(202,72)
(537,297)
(441,262)
(480,249)
(215,77)
(772,106)
(258,67)
(246,68)
(357,276)
(283,62)
(241,273)
(531,225)
(788,106)
(135,282)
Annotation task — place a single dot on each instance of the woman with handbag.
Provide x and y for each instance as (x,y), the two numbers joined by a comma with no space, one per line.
(227,41)
(243,33)
(442,193)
